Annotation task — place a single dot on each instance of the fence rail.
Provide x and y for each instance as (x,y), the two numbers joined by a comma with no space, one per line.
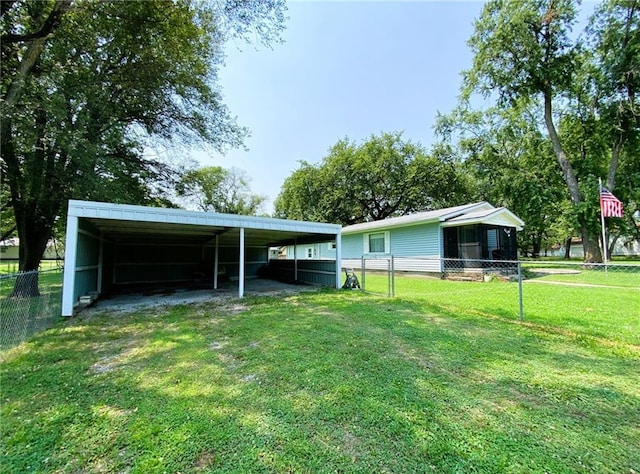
(433,277)
(29,302)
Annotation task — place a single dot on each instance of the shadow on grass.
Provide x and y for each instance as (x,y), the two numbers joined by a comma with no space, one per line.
(315,383)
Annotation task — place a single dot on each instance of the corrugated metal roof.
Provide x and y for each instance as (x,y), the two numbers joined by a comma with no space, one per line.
(124,221)
(496,216)
(438,215)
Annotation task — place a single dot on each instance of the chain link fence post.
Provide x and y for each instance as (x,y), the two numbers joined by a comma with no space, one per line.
(393,277)
(520,297)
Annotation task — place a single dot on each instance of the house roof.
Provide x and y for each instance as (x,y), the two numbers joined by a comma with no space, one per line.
(15,242)
(474,213)
(500,216)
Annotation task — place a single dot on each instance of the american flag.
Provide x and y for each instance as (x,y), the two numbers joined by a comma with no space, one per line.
(610,205)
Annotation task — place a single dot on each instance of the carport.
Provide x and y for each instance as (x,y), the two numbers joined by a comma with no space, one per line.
(112,245)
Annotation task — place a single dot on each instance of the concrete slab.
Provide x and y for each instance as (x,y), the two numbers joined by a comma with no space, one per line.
(133,299)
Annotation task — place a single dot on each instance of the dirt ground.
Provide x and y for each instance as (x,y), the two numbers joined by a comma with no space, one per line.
(133,299)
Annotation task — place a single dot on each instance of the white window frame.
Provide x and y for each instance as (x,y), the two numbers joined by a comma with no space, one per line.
(331,245)
(387,242)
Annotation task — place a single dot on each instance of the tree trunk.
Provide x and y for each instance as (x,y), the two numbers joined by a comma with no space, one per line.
(590,245)
(537,243)
(26,285)
(612,244)
(567,248)
(34,231)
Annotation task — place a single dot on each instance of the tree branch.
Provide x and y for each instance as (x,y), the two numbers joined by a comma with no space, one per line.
(5,6)
(33,52)
(8,233)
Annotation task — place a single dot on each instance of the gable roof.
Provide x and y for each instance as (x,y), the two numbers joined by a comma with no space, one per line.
(500,216)
(474,213)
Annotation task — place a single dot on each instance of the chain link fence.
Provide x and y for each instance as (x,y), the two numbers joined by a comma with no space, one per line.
(497,287)
(30,302)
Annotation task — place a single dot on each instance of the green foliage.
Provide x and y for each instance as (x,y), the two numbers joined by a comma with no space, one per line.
(385,176)
(216,189)
(7,221)
(521,48)
(511,164)
(581,90)
(87,84)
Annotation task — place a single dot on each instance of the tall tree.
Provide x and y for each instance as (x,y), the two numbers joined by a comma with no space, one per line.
(215,189)
(524,54)
(87,83)
(385,176)
(511,164)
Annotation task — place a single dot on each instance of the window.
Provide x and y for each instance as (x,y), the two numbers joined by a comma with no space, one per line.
(332,246)
(377,242)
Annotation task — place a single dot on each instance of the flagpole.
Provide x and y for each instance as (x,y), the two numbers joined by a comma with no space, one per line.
(604,234)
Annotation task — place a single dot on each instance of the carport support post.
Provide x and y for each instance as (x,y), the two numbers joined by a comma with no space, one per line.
(215,265)
(241,276)
(100,263)
(295,259)
(338,261)
(71,249)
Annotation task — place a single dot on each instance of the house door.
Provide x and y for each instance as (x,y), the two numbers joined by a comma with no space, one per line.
(450,242)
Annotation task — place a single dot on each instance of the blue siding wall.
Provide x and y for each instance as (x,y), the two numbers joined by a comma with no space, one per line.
(314,272)
(415,241)
(88,251)
(352,246)
(412,241)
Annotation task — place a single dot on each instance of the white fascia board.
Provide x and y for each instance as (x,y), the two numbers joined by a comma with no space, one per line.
(475,207)
(427,217)
(501,217)
(375,226)
(128,212)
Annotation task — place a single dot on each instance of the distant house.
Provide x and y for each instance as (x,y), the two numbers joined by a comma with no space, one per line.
(622,248)
(10,250)
(477,231)
(312,251)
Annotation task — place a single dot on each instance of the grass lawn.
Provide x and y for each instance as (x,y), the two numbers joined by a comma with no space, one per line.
(323,382)
(607,312)
(21,317)
(8,267)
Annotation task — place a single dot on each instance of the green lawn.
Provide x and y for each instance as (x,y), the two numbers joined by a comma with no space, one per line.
(608,312)
(21,317)
(322,382)
(11,266)
(615,274)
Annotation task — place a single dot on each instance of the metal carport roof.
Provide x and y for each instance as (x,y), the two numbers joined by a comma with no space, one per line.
(150,224)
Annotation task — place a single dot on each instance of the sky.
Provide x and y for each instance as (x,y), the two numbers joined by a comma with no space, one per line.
(344,69)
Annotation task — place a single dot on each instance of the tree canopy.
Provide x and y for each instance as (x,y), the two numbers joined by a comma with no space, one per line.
(215,189)
(382,177)
(581,90)
(86,84)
